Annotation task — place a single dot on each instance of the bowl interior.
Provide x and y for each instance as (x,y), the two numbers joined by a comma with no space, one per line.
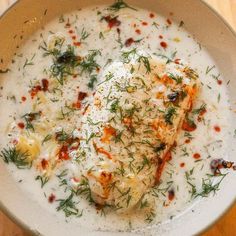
(26,16)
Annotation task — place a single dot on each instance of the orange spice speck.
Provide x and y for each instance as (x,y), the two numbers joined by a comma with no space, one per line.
(169,21)
(73,37)
(163,44)
(21,125)
(44,164)
(182,164)
(187,140)
(77,44)
(177,61)
(160,37)
(138,31)
(171,195)
(151,15)
(144,23)
(219,82)
(217,128)
(51,198)
(23,98)
(196,156)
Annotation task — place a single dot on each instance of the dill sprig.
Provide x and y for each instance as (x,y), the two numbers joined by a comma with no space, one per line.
(68,206)
(120,4)
(150,217)
(43,179)
(17,157)
(169,114)
(208,186)
(84,35)
(127,54)
(146,63)
(64,64)
(92,81)
(29,62)
(176,78)
(29,118)
(84,189)
(197,111)
(88,64)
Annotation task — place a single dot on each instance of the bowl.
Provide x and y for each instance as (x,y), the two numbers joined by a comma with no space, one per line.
(24,17)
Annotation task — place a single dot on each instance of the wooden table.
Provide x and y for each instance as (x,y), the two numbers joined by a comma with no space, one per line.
(226,226)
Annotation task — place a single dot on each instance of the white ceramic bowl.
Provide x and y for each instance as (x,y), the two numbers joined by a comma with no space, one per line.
(209,29)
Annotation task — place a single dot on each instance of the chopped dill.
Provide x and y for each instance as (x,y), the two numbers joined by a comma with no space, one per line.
(84,35)
(68,206)
(17,157)
(169,114)
(29,118)
(43,179)
(92,81)
(146,63)
(88,64)
(120,4)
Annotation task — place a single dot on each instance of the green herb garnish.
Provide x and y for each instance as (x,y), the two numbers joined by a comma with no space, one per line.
(17,157)
(169,114)
(68,206)
(120,4)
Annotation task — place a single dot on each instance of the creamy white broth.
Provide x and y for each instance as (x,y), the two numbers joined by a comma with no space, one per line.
(205,140)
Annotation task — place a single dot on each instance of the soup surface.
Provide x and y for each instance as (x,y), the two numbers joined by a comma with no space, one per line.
(86,80)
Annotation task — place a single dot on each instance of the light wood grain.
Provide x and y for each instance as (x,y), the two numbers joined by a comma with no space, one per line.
(226,226)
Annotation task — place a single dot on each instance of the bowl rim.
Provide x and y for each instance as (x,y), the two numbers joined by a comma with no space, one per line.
(13,217)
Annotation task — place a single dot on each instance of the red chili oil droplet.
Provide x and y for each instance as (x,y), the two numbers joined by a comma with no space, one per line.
(217,128)
(160,37)
(219,82)
(51,198)
(73,37)
(21,125)
(70,31)
(77,44)
(151,15)
(44,164)
(187,141)
(169,21)
(82,96)
(163,44)
(129,42)
(196,156)
(63,153)
(138,31)
(177,61)
(171,195)
(189,126)
(23,98)
(35,90)
(182,164)
(144,23)
(202,112)
(45,84)
(112,21)
(76,105)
